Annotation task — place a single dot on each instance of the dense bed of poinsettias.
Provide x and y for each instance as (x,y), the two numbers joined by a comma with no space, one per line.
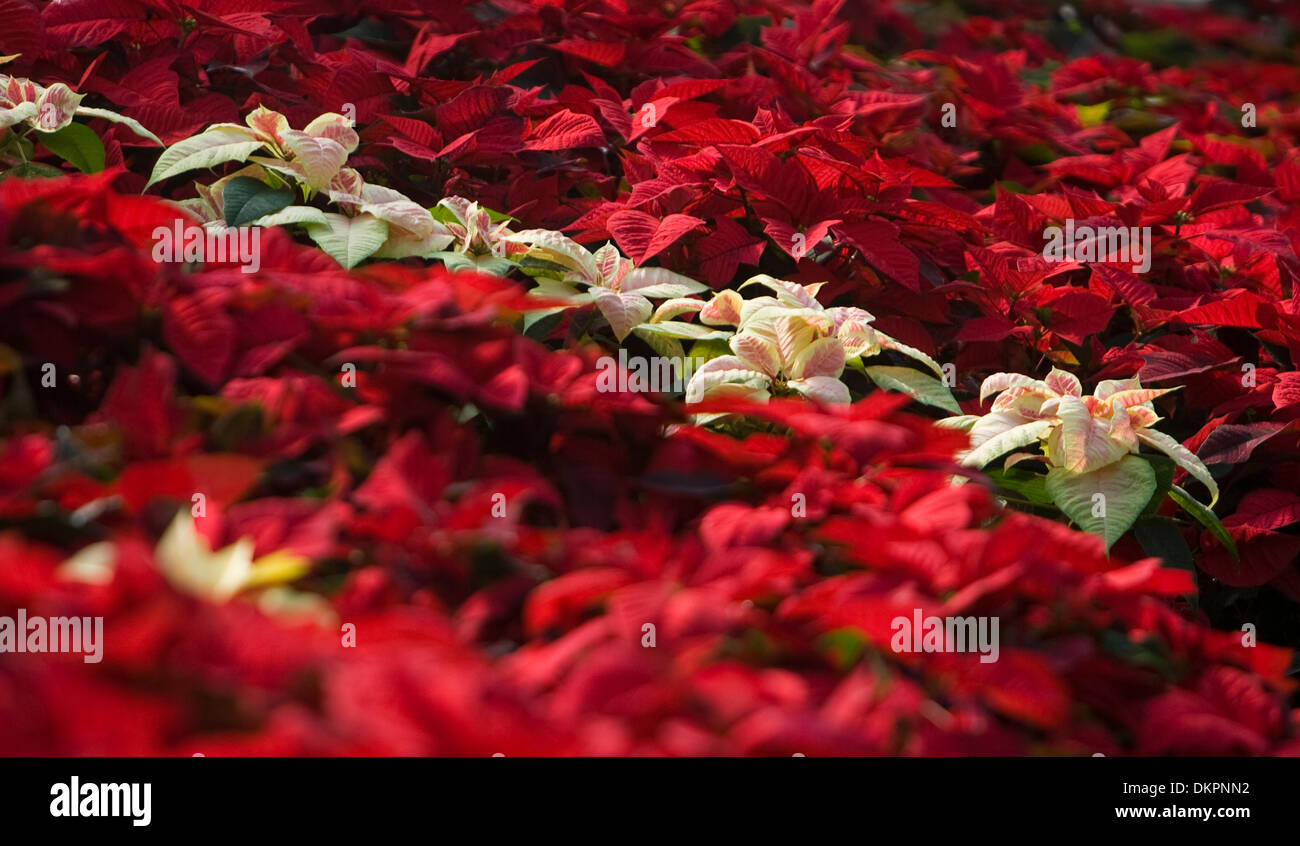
(369,500)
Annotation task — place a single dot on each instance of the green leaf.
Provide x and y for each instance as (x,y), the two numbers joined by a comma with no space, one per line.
(540,268)
(667,346)
(130,123)
(31,170)
(1148,652)
(539,324)
(1160,47)
(292,214)
(678,329)
(12,143)
(349,240)
(1028,486)
(552,289)
(1106,501)
(442,214)
(1093,115)
(1161,538)
(1181,455)
(75,143)
(1205,517)
(1164,468)
(207,149)
(844,646)
(707,349)
(246,199)
(888,343)
(919,386)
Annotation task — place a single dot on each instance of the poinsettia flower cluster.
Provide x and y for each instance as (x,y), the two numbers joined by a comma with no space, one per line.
(1078,433)
(787,343)
(375,220)
(618,288)
(480,241)
(49,109)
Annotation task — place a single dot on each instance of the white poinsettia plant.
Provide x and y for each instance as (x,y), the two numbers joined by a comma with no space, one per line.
(51,109)
(1090,445)
(790,344)
(371,221)
(620,290)
(31,111)
(482,237)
